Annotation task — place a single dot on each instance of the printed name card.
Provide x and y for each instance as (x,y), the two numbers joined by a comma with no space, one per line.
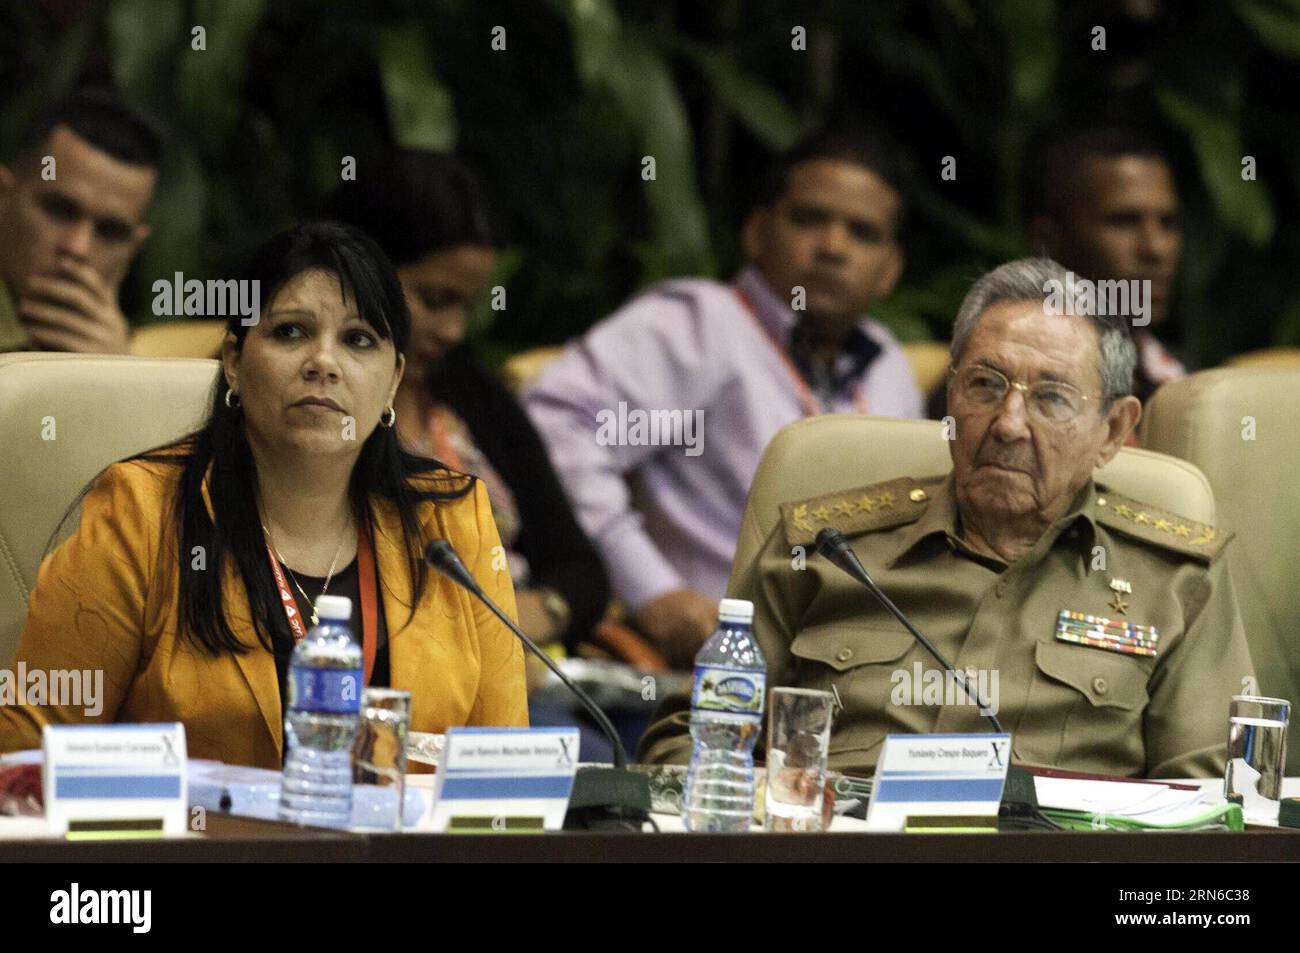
(115,780)
(505,780)
(939,782)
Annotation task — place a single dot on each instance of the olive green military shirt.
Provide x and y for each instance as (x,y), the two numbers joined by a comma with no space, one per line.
(13,336)
(1067,704)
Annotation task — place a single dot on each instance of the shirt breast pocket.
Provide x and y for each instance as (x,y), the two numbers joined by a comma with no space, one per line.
(1087,708)
(1106,679)
(859,663)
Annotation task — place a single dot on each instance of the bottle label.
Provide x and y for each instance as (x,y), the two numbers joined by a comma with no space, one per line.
(332,691)
(722,689)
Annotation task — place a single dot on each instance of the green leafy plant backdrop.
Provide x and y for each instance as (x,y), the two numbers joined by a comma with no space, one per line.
(258,122)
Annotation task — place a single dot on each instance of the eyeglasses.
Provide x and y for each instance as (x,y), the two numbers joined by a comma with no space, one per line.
(984,388)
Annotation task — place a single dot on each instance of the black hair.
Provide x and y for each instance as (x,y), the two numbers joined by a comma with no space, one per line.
(104,120)
(382,470)
(846,143)
(1056,170)
(414,202)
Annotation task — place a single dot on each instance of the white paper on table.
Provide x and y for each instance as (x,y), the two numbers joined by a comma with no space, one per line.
(1152,803)
(23,828)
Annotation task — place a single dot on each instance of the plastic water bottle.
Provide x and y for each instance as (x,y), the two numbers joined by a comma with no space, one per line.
(726,715)
(321,717)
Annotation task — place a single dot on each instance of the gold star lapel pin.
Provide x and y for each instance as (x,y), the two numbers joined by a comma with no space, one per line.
(1119,587)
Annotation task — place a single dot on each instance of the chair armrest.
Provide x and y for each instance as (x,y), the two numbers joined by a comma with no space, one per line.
(628,646)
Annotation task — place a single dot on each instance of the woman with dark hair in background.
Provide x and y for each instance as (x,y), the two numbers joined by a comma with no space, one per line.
(431,215)
(194,566)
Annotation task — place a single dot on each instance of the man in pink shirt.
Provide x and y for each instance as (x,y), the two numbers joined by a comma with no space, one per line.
(656,418)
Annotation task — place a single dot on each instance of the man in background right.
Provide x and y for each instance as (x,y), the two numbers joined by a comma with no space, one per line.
(1103,202)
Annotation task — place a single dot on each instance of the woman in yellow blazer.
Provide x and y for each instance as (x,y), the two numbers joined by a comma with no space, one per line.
(195,567)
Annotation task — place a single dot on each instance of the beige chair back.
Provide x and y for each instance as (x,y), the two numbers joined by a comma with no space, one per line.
(929,361)
(179,339)
(1238,425)
(63,418)
(1267,358)
(522,369)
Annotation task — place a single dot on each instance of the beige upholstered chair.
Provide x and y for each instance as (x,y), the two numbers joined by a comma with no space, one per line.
(63,418)
(521,369)
(1268,357)
(929,361)
(179,339)
(1207,419)
(837,452)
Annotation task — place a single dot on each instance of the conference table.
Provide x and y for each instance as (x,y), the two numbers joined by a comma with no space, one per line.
(237,839)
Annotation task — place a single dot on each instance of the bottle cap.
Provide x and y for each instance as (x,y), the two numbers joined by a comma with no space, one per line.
(736,610)
(338,608)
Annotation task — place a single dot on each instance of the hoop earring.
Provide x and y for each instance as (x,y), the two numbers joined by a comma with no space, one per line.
(391,413)
(232,400)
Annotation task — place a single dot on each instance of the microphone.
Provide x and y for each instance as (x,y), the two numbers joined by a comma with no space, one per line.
(832,544)
(602,798)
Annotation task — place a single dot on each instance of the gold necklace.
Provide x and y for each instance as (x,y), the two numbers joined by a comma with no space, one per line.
(315,620)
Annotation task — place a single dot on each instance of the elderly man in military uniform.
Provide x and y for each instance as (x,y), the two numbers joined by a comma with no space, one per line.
(1109,627)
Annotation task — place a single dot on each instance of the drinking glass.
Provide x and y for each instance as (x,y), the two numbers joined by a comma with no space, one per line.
(1256,755)
(798,743)
(379,756)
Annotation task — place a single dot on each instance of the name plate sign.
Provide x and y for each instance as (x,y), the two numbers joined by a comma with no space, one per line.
(505,780)
(939,782)
(115,780)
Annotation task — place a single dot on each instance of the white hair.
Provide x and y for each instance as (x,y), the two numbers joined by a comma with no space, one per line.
(1028,279)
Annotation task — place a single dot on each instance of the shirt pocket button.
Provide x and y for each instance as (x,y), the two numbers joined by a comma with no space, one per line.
(844,655)
(1100,685)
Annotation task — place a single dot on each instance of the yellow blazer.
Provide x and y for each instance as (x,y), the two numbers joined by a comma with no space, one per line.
(107,600)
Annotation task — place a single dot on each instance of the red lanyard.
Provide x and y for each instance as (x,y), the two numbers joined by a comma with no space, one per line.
(286,598)
(442,441)
(810,406)
(369,605)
